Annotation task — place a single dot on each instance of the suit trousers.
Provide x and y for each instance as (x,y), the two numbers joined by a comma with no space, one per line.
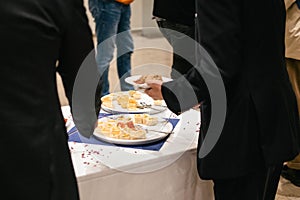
(293,67)
(258,185)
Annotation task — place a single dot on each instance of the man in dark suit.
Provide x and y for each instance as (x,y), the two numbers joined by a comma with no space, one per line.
(35,36)
(260,128)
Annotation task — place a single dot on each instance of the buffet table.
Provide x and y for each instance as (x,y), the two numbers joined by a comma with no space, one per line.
(114,172)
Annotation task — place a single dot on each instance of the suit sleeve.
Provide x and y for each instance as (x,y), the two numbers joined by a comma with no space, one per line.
(77,67)
(219,55)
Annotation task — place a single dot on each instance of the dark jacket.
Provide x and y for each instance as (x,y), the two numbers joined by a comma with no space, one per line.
(34,35)
(245,39)
(182,12)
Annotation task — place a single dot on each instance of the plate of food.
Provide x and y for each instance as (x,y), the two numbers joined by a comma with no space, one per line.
(132,129)
(140,81)
(131,102)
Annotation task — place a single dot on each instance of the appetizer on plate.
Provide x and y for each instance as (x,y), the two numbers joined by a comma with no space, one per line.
(144,78)
(124,127)
(126,100)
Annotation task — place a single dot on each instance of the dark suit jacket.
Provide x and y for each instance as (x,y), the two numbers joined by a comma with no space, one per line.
(246,41)
(182,12)
(34,35)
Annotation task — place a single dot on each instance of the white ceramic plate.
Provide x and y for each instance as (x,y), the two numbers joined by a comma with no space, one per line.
(131,80)
(151,136)
(144,98)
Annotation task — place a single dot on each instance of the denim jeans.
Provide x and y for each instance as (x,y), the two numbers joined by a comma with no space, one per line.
(183,48)
(112,21)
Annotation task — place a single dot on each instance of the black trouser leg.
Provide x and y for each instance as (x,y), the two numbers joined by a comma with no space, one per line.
(261,185)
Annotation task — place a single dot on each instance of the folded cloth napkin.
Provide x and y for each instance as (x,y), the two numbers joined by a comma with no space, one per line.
(75,136)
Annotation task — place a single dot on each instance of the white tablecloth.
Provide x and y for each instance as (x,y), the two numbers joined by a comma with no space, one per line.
(114,173)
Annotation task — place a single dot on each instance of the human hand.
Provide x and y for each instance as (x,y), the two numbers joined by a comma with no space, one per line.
(197,107)
(154,90)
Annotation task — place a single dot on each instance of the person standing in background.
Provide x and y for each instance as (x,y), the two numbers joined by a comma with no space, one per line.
(176,20)
(38,39)
(291,171)
(112,19)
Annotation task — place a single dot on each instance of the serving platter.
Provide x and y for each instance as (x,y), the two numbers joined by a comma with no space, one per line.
(153,133)
(134,102)
(131,80)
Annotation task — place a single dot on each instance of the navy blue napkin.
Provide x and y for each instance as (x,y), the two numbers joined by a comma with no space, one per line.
(75,136)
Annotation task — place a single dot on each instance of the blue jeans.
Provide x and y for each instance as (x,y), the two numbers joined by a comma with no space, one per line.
(112,21)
